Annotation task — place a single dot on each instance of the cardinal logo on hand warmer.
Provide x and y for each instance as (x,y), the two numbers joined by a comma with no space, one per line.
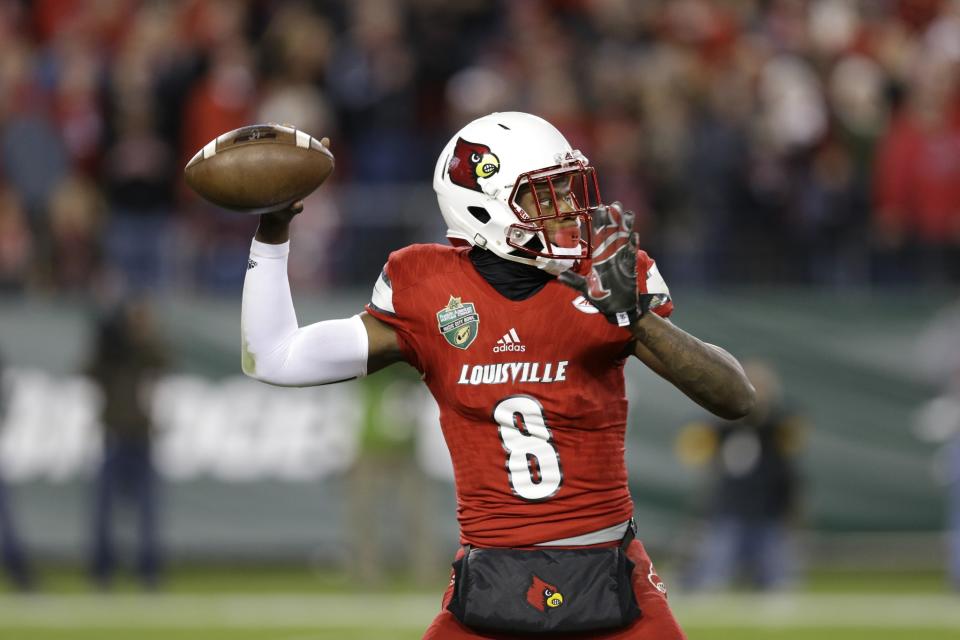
(543,595)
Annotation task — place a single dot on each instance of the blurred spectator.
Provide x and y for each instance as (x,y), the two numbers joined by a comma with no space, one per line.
(754,490)
(12,555)
(77,71)
(386,477)
(76,212)
(307,108)
(370,78)
(302,106)
(222,100)
(717,177)
(127,357)
(296,48)
(16,242)
(138,175)
(917,181)
(938,421)
(33,157)
(475,91)
(828,216)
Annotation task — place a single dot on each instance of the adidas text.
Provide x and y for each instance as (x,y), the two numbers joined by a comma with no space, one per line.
(509,342)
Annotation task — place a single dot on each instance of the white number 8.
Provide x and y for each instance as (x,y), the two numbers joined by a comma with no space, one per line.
(532,461)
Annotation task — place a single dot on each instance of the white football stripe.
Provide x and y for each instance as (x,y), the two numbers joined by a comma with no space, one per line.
(210,149)
(303,139)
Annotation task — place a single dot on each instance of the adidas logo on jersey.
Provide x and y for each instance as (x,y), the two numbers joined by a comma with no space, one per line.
(509,342)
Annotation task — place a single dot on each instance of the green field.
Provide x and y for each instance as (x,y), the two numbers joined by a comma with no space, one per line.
(291,605)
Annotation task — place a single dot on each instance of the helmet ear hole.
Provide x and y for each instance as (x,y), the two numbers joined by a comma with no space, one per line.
(481,214)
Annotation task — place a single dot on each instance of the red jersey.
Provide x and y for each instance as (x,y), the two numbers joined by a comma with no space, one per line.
(531,394)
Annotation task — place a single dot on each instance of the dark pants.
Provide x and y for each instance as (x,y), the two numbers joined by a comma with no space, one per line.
(11,551)
(126,473)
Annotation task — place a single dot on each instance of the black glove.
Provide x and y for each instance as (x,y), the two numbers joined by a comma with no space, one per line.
(611,285)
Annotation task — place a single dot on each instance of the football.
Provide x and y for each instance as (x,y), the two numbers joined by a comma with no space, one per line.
(259,168)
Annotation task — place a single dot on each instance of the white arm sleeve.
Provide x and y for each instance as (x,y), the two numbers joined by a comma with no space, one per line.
(275,349)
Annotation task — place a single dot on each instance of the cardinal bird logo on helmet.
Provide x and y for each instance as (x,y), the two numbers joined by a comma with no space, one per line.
(470,161)
(542,595)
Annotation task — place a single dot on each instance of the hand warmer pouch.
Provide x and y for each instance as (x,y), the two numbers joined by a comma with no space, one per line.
(545,591)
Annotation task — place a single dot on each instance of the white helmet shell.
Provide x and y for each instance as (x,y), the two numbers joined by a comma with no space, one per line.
(477,176)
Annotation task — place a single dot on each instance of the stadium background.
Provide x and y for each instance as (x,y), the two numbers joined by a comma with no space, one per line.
(796,168)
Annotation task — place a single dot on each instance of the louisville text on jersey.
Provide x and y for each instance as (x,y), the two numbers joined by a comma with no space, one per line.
(513,372)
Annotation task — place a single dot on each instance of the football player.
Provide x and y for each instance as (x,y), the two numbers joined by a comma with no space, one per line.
(520,330)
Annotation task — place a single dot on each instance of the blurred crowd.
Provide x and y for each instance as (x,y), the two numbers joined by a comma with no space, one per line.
(760,141)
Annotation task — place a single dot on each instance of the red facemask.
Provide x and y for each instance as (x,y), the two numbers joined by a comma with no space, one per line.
(545,183)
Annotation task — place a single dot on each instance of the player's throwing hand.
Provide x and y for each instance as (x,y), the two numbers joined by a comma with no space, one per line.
(611,284)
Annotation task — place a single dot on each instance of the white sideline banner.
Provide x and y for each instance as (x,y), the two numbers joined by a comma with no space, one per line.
(233,429)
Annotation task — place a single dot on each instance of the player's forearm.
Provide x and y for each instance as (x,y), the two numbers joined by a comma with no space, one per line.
(275,349)
(274,228)
(710,376)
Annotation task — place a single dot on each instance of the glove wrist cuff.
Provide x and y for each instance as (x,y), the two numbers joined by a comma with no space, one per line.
(624,318)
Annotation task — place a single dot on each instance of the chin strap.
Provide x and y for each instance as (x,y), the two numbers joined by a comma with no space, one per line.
(557,265)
